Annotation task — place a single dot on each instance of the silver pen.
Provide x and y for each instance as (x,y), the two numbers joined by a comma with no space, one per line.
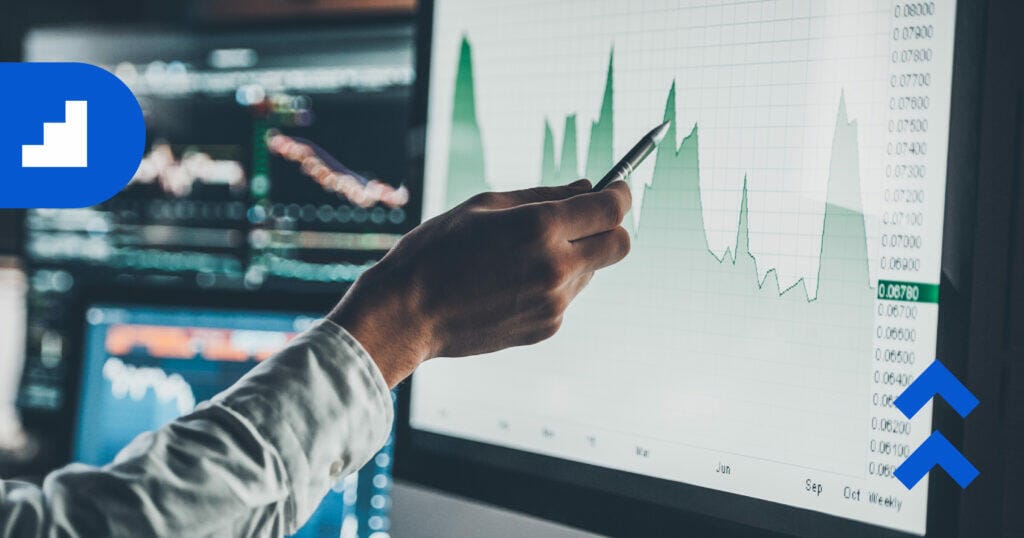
(634,157)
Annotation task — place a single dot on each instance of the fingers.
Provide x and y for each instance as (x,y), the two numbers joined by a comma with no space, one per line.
(594,212)
(505,200)
(601,250)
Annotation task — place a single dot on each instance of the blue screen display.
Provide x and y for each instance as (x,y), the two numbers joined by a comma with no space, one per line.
(146,366)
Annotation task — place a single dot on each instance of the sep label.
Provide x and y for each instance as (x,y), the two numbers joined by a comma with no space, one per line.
(72,136)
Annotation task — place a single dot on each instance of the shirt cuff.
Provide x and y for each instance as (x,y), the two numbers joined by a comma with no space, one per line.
(364,358)
(323,404)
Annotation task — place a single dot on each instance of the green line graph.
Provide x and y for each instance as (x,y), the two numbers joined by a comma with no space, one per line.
(599,153)
(673,299)
(675,303)
(786,237)
(671,213)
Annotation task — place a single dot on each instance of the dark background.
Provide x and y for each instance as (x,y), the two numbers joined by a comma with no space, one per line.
(27,14)
(17,16)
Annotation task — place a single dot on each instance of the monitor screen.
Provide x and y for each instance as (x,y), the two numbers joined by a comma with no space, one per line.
(275,162)
(274,158)
(782,288)
(145,366)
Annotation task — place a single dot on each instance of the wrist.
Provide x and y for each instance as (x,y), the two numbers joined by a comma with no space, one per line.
(386,322)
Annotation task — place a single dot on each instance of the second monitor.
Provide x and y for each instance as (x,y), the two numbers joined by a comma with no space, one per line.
(146,365)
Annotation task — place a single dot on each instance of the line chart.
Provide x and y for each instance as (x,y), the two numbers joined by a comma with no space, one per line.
(758,324)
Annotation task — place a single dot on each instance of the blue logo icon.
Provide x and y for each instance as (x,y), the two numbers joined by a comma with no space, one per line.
(936,380)
(936,450)
(73,135)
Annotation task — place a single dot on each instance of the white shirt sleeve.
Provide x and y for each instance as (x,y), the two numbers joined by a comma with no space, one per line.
(254,461)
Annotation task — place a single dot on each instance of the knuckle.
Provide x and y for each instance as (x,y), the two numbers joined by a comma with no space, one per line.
(623,240)
(615,210)
(546,216)
(541,220)
(627,193)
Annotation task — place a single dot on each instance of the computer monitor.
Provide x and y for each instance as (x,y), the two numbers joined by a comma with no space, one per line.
(144,366)
(275,163)
(738,369)
(275,158)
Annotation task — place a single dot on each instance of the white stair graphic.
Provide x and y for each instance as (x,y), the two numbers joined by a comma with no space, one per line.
(65,145)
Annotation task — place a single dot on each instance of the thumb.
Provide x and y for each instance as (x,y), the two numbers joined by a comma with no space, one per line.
(505,200)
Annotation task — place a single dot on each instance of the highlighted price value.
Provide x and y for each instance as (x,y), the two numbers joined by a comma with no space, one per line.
(914,292)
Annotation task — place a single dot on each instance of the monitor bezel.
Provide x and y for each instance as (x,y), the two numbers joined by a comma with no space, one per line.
(620,503)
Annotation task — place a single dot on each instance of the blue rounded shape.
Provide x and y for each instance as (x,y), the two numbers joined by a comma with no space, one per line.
(49,109)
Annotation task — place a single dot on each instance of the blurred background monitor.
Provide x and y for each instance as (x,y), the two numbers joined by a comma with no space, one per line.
(275,164)
(144,366)
(274,158)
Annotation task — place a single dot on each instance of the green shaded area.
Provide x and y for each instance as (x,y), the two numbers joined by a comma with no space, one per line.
(672,229)
(672,217)
(466,151)
(675,302)
(466,172)
(599,157)
(599,152)
(913,292)
(568,168)
(549,166)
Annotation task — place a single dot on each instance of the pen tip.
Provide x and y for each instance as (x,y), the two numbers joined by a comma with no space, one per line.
(659,132)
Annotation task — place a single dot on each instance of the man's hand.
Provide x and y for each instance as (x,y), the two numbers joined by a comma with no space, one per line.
(495,272)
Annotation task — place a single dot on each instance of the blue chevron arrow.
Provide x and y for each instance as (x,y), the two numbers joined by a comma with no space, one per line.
(936,380)
(936,450)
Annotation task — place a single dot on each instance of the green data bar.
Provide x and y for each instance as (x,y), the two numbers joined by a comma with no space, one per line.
(913,292)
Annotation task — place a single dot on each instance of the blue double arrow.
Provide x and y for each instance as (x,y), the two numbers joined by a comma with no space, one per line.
(936,380)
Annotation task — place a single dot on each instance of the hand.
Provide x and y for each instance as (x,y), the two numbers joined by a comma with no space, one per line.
(495,272)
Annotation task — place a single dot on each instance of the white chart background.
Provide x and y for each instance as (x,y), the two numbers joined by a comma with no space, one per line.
(763,81)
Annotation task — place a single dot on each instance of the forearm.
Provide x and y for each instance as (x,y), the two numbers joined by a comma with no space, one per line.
(256,461)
